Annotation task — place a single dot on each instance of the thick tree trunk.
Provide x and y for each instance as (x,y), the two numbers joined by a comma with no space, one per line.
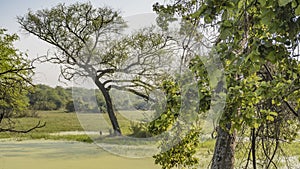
(109,108)
(223,157)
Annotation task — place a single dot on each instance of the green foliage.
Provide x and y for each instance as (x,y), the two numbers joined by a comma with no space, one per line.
(257,47)
(77,31)
(140,130)
(256,44)
(179,149)
(43,97)
(15,76)
(70,106)
(182,154)
(170,113)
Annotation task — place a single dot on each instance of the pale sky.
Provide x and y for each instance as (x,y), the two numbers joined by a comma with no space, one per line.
(136,11)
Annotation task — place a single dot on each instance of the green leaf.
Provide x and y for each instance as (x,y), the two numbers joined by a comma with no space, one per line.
(266,18)
(230,5)
(283,2)
(271,57)
(294,4)
(200,11)
(255,125)
(297,11)
(273,101)
(270,118)
(208,19)
(241,4)
(225,33)
(273,113)
(227,23)
(262,2)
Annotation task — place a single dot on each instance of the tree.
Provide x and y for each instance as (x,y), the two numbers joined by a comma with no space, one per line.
(88,46)
(257,42)
(63,95)
(70,107)
(43,97)
(15,79)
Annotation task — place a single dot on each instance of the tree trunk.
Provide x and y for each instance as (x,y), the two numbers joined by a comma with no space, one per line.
(1,116)
(223,157)
(109,108)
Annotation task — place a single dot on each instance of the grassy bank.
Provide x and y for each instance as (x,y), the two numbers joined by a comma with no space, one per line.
(58,121)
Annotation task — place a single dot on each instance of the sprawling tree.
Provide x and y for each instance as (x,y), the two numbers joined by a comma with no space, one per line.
(258,44)
(89,45)
(15,79)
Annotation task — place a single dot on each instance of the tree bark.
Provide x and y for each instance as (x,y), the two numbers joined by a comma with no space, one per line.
(223,157)
(109,108)
(1,116)
(253,148)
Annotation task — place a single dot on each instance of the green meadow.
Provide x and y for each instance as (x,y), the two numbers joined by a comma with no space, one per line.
(59,121)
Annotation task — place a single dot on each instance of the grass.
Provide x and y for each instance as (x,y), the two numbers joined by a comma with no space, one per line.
(56,121)
(59,121)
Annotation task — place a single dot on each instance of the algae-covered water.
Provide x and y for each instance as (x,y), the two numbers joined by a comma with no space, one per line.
(43,154)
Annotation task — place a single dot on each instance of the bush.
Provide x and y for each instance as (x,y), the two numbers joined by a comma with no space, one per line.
(70,106)
(139,130)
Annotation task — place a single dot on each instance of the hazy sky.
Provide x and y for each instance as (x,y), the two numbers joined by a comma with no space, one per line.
(135,10)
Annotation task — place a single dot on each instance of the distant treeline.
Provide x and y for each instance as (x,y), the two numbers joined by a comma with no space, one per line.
(43,97)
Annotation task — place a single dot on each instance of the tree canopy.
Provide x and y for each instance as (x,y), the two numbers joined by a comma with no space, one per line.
(258,44)
(15,75)
(15,80)
(88,44)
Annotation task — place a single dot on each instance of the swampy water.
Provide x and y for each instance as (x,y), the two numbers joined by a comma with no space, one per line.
(43,154)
